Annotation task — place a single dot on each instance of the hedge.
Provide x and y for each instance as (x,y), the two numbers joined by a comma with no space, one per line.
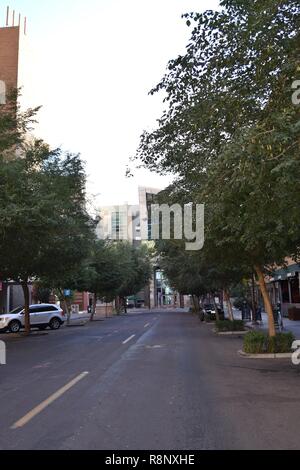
(257,342)
(227,325)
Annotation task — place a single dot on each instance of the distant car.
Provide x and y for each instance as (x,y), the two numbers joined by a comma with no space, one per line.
(209,309)
(41,316)
(130,303)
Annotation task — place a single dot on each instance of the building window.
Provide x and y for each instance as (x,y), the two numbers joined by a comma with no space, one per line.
(119,225)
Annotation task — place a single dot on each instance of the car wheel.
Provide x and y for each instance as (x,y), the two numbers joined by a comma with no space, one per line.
(14,327)
(55,324)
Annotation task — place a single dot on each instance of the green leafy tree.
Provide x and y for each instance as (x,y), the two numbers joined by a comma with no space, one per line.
(14,124)
(136,269)
(231,133)
(45,229)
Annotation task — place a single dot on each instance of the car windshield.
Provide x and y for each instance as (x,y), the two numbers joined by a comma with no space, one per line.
(17,310)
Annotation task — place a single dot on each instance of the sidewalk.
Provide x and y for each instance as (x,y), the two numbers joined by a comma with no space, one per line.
(288,325)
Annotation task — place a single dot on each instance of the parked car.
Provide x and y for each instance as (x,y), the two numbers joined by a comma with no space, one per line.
(210,310)
(130,303)
(41,317)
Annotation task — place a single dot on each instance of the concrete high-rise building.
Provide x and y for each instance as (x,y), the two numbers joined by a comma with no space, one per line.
(133,223)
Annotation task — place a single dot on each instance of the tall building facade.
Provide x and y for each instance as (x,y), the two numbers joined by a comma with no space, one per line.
(9,57)
(13,53)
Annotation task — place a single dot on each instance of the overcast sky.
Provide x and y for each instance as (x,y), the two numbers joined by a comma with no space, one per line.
(91,64)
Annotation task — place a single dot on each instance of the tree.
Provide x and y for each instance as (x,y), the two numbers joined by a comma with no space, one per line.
(14,124)
(45,229)
(108,276)
(236,58)
(231,133)
(135,267)
(197,273)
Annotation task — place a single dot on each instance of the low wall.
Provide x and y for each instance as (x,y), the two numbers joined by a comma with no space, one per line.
(104,311)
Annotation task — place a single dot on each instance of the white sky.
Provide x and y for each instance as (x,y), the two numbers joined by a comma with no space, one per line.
(91,64)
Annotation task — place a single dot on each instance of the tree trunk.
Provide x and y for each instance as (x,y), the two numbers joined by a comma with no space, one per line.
(26,304)
(94,307)
(253,299)
(117,303)
(66,306)
(267,302)
(222,300)
(196,303)
(229,305)
(216,309)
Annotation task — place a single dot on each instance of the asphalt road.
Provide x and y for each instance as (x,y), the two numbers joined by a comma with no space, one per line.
(173,385)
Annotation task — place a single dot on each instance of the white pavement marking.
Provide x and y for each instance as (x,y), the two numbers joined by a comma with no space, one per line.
(38,409)
(147,324)
(128,339)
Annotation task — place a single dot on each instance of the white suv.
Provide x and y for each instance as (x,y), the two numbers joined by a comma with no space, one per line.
(41,316)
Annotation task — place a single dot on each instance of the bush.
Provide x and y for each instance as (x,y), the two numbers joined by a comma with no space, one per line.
(256,342)
(281,343)
(227,325)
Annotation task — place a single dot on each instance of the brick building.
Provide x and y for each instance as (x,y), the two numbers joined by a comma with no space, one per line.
(9,56)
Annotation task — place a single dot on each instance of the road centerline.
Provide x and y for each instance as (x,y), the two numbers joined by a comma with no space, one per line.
(128,339)
(41,407)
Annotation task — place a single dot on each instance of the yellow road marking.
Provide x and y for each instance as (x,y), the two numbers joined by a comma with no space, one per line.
(38,409)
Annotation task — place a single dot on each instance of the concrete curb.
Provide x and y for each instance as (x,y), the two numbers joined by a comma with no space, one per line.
(230,333)
(265,356)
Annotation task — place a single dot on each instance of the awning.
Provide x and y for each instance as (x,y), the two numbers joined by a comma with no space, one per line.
(287,273)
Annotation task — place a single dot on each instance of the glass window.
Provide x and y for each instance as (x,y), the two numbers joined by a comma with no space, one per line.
(17,310)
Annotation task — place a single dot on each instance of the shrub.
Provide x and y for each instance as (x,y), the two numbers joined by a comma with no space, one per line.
(256,342)
(227,325)
(281,343)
